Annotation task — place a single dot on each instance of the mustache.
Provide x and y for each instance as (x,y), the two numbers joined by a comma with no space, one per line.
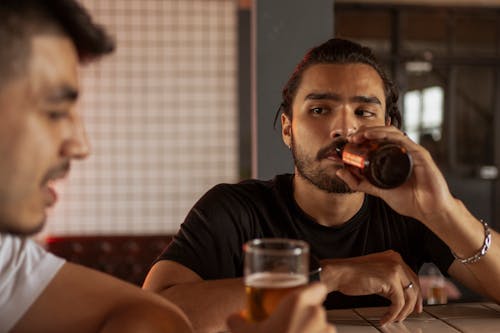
(57,172)
(333,148)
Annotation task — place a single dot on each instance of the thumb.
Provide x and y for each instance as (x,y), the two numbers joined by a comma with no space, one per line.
(315,293)
(297,301)
(357,183)
(236,323)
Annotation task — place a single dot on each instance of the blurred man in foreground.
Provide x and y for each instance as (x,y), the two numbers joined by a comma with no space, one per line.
(41,132)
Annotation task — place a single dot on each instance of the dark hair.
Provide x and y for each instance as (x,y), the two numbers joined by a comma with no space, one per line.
(340,51)
(22,19)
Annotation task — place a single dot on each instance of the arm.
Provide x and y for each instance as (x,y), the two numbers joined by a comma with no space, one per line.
(384,274)
(299,312)
(206,303)
(482,276)
(426,197)
(79,299)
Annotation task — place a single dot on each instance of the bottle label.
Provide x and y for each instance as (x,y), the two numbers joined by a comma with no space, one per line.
(353,159)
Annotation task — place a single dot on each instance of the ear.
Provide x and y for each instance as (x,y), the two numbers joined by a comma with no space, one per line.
(286,129)
(388,121)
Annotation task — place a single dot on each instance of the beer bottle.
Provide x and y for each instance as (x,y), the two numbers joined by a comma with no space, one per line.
(384,164)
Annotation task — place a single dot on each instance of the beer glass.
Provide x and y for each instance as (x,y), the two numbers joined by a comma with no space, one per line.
(273,267)
(436,292)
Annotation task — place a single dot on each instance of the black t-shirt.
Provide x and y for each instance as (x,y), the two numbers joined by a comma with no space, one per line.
(211,238)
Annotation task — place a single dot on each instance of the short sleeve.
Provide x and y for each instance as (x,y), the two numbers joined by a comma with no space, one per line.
(437,252)
(211,237)
(25,271)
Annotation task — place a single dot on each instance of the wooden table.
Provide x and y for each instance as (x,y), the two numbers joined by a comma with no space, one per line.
(449,318)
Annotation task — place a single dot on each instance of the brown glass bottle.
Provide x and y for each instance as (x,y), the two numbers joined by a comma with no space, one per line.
(384,164)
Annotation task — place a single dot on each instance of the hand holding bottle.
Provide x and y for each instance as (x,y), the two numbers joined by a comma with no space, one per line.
(423,195)
(382,163)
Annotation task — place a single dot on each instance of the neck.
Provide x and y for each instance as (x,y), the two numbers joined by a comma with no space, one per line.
(328,209)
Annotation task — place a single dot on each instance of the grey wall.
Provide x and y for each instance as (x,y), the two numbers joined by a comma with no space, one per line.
(283,31)
(244,93)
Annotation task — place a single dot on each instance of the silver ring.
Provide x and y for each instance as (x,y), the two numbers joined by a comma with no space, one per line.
(409,286)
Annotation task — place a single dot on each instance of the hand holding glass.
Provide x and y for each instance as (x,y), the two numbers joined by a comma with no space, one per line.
(273,268)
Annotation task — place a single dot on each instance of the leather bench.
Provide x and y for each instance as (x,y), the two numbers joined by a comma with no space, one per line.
(128,257)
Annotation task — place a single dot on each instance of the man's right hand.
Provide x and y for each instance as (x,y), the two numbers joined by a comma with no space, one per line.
(384,273)
(300,311)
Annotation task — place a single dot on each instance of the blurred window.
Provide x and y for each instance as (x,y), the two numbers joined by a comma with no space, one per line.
(444,62)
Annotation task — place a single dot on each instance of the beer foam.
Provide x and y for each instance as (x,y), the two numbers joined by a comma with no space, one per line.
(275,280)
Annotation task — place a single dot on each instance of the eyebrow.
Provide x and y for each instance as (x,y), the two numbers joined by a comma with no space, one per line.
(337,97)
(64,93)
(366,100)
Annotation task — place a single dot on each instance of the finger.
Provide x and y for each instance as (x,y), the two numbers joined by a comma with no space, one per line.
(304,309)
(236,323)
(388,133)
(313,294)
(375,133)
(301,305)
(413,295)
(419,306)
(452,291)
(330,329)
(410,302)
(347,177)
(356,183)
(397,302)
(312,319)
(417,290)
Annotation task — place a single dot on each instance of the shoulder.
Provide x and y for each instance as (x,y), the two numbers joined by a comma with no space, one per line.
(10,243)
(18,253)
(246,205)
(227,202)
(250,189)
(248,186)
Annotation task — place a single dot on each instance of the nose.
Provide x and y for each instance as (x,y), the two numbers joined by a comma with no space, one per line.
(76,145)
(344,123)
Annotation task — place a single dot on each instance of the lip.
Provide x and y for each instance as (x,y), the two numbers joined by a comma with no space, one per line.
(55,175)
(333,156)
(332,151)
(333,161)
(49,194)
(50,187)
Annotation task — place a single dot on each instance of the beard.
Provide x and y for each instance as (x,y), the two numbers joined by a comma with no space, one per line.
(308,167)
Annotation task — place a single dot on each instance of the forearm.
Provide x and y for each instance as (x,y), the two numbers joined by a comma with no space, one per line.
(90,301)
(465,236)
(331,272)
(146,317)
(208,303)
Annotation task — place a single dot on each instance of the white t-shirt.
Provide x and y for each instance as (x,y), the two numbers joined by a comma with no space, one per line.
(25,270)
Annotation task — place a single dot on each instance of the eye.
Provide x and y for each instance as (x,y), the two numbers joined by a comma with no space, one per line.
(57,115)
(318,110)
(364,113)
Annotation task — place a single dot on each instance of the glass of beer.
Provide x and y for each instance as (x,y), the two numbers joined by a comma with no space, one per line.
(436,291)
(273,268)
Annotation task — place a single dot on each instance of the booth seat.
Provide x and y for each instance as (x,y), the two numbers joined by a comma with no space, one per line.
(128,257)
